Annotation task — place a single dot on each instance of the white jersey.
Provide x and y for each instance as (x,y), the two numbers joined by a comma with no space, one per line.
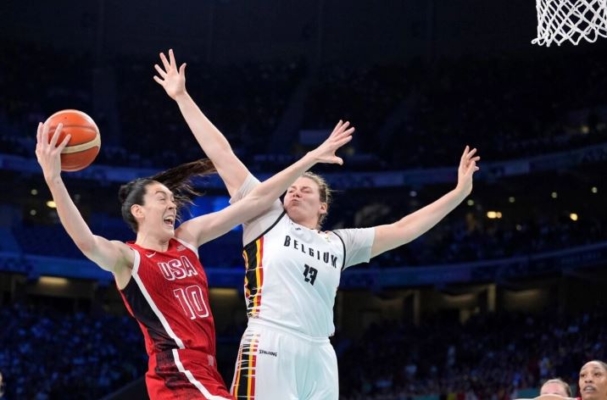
(293,272)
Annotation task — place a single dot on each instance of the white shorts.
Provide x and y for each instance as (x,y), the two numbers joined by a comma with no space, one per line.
(276,363)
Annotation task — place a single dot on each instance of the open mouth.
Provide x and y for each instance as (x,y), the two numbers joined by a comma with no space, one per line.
(169,221)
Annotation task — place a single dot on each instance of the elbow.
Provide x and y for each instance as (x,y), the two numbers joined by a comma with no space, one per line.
(224,151)
(250,205)
(263,203)
(256,199)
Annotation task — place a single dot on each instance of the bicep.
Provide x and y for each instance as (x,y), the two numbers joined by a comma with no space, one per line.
(387,237)
(232,171)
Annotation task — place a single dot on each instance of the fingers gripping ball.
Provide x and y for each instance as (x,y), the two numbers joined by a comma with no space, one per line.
(84,145)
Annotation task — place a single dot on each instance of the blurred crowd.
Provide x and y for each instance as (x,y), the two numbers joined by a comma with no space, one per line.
(408,115)
(491,356)
(49,354)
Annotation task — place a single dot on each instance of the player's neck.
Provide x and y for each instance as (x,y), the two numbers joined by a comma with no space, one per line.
(150,242)
(310,224)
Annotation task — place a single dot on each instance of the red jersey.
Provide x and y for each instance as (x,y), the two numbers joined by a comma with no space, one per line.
(168,296)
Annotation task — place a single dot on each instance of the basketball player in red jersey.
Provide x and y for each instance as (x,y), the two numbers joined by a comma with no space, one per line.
(159,276)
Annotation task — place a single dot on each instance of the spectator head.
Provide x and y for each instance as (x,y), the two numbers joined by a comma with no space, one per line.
(556,386)
(593,381)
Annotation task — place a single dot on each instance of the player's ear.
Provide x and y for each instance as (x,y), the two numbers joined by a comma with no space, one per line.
(138,211)
(323,208)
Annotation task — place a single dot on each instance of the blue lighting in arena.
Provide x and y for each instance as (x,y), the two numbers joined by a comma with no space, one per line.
(208,204)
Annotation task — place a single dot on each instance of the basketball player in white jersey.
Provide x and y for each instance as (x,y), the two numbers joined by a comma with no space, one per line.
(293,267)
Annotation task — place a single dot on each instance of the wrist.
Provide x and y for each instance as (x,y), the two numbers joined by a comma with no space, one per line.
(310,157)
(181,96)
(460,193)
(53,181)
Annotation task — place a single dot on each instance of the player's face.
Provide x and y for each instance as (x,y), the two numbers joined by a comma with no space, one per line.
(160,210)
(554,388)
(593,381)
(302,202)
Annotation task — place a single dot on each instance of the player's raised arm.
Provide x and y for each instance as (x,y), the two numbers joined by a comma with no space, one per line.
(214,144)
(109,255)
(412,226)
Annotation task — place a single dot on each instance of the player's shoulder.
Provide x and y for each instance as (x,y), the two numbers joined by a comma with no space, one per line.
(354,232)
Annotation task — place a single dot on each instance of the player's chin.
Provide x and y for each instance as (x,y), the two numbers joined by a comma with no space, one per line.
(293,211)
(169,229)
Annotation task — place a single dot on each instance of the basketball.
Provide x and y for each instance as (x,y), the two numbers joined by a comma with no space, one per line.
(84,145)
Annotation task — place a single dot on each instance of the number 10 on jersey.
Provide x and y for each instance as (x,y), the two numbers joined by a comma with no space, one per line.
(192,301)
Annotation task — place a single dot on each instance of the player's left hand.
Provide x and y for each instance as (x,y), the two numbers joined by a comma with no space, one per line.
(325,153)
(171,78)
(466,170)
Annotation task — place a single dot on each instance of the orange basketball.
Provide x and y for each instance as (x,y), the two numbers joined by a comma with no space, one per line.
(84,145)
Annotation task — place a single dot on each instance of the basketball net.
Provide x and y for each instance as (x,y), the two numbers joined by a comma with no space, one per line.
(572,20)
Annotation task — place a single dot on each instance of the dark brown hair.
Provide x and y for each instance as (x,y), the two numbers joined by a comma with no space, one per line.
(177,180)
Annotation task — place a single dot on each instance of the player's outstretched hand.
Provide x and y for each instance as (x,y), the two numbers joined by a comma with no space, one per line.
(466,170)
(325,153)
(171,78)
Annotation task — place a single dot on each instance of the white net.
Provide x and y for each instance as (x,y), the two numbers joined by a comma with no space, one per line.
(570,20)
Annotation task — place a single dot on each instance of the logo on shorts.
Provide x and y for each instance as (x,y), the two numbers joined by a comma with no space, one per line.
(270,353)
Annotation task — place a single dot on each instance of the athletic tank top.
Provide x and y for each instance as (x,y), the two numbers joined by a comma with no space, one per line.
(168,296)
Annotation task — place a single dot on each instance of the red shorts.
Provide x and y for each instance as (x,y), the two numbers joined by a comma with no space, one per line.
(185,375)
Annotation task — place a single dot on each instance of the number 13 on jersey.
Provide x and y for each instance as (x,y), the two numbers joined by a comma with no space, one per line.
(310,274)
